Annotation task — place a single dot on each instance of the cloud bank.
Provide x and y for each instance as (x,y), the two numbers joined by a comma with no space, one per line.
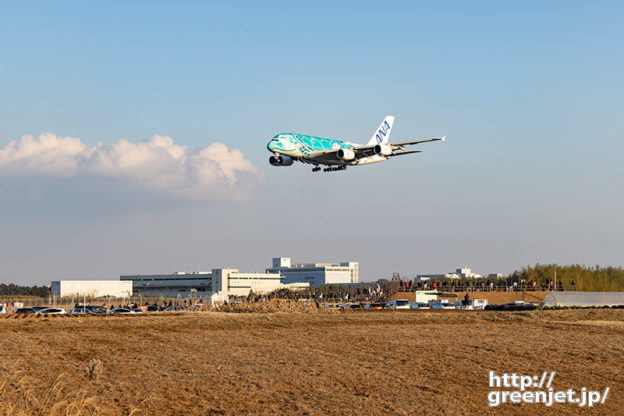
(156,165)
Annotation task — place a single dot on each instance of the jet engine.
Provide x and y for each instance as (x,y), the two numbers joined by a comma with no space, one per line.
(382,149)
(346,154)
(280,160)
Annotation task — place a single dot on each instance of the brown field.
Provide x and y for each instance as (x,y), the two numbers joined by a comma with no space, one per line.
(493,298)
(386,362)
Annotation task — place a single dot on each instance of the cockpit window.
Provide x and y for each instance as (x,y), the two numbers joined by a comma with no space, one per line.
(281,136)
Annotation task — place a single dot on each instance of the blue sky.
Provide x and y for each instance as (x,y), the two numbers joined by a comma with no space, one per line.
(529,95)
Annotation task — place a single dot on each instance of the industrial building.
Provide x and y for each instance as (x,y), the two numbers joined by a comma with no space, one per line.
(315,274)
(227,281)
(171,285)
(232,282)
(459,273)
(224,281)
(91,288)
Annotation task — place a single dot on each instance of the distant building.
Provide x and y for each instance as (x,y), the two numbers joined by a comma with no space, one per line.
(231,282)
(428,276)
(315,274)
(223,281)
(421,277)
(171,285)
(467,272)
(459,273)
(91,288)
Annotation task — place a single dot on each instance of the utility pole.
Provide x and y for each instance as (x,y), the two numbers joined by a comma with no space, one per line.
(555,278)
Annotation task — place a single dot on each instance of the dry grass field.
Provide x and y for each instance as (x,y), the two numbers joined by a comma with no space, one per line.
(347,363)
(493,298)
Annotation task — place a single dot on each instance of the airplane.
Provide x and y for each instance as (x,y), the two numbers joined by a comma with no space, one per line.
(336,154)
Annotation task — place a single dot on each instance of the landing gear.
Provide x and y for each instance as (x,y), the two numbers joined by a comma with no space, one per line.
(317,168)
(336,169)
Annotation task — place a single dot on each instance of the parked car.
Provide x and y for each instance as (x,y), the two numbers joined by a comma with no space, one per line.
(442,305)
(153,308)
(51,311)
(120,310)
(38,308)
(517,306)
(418,305)
(398,304)
(374,305)
(88,309)
(25,310)
(137,310)
(473,304)
(2,309)
(174,308)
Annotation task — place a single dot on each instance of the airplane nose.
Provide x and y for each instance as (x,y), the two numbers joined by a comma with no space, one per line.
(270,146)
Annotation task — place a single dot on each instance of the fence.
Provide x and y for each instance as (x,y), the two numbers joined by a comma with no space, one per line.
(494,288)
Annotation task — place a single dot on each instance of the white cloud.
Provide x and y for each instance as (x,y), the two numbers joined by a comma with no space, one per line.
(156,164)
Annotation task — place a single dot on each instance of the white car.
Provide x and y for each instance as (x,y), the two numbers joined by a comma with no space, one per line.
(398,304)
(473,304)
(2,309)
(51,311)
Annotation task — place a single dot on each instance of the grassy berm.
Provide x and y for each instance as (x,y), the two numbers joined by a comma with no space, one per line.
(350,363)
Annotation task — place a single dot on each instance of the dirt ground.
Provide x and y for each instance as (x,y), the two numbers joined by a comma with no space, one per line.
(493,298)
(349,363)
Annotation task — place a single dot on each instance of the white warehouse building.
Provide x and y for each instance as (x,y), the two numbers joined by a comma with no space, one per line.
(91,288)
(232,282)
(315,274)
(224,281)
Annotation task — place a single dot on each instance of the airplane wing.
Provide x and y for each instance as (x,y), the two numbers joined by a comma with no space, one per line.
(369,150)
(406,153)
(435,139)
(332,155)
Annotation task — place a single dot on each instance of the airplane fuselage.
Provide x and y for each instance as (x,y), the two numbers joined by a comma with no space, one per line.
(309,149)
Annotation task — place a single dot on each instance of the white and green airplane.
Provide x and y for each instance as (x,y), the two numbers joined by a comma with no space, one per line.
(337,154)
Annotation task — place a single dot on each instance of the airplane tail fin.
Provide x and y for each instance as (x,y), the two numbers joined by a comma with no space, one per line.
(383,131)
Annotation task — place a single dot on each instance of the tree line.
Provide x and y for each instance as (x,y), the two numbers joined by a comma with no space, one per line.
(542,276)
(584,278)
(15,290)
